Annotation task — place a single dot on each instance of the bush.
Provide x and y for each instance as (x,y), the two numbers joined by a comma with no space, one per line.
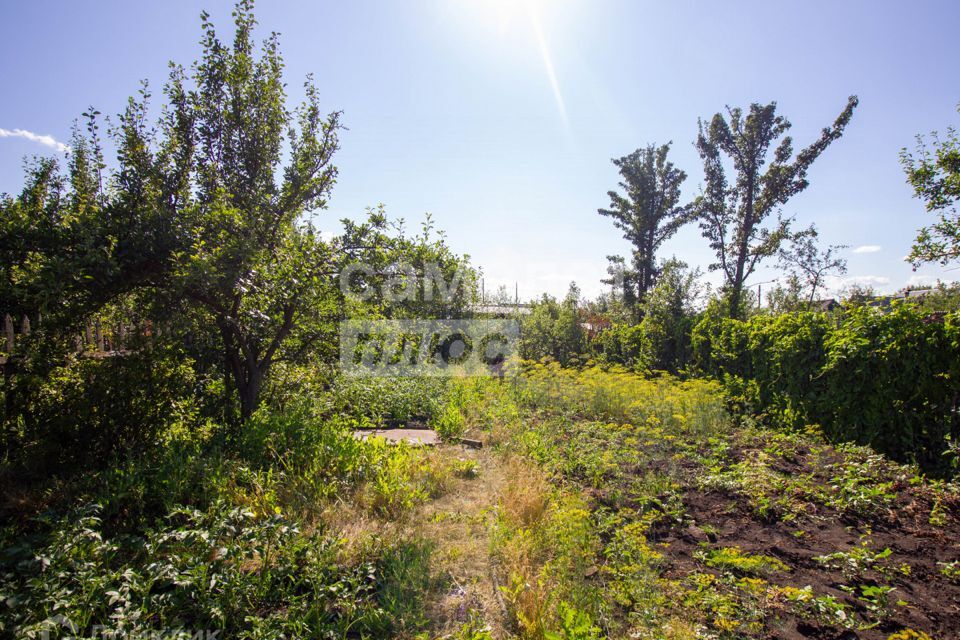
(449,422)
(385,401)
(90,410)
(624,345)
(886,378)
(227,570)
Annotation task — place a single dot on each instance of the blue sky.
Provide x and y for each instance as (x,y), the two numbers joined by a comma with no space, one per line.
(500,117)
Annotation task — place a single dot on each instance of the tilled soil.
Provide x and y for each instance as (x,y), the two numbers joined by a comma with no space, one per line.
(932,601)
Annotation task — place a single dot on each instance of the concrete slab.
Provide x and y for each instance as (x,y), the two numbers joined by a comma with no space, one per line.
(421,437)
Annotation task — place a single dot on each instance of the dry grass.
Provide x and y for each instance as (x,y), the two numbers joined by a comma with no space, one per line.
(456,520)
(524,503)
(526,494)
(459,524)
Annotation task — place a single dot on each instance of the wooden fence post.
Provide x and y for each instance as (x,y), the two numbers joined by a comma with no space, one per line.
(8,333)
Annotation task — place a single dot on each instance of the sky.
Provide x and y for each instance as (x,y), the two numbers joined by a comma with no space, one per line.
(500,117)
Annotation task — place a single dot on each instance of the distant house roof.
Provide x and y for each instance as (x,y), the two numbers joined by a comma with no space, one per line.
(827,305)
(917,293)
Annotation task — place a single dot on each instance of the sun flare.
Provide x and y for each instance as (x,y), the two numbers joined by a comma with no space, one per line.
(521,21)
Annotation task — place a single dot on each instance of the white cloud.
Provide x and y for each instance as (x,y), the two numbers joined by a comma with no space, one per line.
(836,284)
(925,280)
(867,248)
(47,141)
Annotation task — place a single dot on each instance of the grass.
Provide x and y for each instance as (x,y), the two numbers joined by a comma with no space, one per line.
(622,456)
(600,506)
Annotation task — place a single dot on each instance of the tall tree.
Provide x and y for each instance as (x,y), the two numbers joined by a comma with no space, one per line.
(935,178)
(809,265)
(732,214)
(648,212)
(200,211)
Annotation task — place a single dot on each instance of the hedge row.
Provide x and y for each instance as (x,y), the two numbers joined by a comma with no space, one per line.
(887,378)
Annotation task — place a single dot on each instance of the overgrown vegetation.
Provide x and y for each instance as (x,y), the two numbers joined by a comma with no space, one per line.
(182,454)
(887,378)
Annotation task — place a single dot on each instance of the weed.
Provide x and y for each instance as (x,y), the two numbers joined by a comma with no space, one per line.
(465,468)
(875,598)
(448,422)
(909,634)
(822,609)
(950,570)
(405,478)
(473,629)
(573,624)
(733,559)
(855,563)
(938,513)
(863,485)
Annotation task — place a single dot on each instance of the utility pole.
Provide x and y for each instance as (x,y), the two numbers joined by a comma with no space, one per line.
(760,299)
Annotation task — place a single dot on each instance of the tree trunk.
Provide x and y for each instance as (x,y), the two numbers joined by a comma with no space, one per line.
(736,293)
(743,248)
(246,372)
(249,391)
(735,296)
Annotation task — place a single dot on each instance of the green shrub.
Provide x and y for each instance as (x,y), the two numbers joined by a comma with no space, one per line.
(884,378)
(231,570)
(91,410)
(385,401)
(449,422)
(624,345)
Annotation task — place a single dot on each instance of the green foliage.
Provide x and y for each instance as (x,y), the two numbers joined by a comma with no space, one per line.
(318,458)
(787,296)
(199,214)
(473,629)
(808,265)
(854,564)
(669,313)
(88,411)
(733,559)
(396,487)
(200,224)
(887,379)
(950,570)
(225,570)
(935,178)
(552,330)
(386,401)
(649,214)
(210,536)
(622,344)
(574,624)
(944,298)
(449,423)
(733,212)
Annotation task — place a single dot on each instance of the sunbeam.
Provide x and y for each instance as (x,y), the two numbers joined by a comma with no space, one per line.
(547,60)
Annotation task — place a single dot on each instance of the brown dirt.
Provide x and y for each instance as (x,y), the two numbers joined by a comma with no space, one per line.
(933,602)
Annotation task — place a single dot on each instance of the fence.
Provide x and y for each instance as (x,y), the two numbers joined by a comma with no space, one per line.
(98,339)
